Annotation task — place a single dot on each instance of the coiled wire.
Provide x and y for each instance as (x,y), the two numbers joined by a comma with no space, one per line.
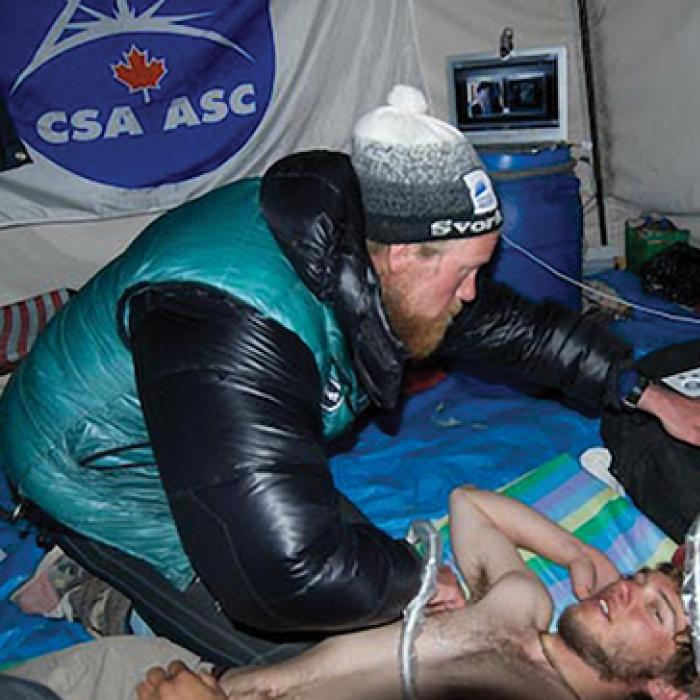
(422,533)
(690,593)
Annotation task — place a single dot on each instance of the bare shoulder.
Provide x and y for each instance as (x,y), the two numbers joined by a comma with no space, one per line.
(520,599)
(517,606)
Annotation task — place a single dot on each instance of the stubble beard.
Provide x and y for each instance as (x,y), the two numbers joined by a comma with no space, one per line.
(610,665)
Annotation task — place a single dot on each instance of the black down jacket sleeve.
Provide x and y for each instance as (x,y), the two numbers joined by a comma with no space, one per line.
(231,401)
(544,343)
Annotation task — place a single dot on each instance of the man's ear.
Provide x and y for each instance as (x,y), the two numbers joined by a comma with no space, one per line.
(662,690)
(398,255)
(402,257)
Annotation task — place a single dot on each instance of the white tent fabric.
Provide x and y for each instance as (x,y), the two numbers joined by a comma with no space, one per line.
(334,61)
(450,27)
(648,84)
(645,72)
(646,81)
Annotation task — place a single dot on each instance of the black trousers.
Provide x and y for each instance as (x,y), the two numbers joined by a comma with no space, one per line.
(190,618)
(19,689)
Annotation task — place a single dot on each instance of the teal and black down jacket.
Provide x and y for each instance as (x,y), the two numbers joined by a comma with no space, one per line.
(179,407)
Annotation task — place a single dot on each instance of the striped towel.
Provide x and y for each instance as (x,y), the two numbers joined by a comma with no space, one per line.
(585,506)
(22,321)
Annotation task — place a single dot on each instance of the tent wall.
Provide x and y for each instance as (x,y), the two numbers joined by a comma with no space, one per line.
(37,258)
(452,27)
(332,61)
(646,82)
(448,27)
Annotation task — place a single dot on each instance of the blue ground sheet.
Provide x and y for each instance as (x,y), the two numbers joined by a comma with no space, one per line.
(463,430)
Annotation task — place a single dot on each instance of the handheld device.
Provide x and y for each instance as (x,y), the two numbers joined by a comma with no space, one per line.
(686,382)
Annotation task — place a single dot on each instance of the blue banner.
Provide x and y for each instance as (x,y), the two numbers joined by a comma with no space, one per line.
(136,93)
(135,106)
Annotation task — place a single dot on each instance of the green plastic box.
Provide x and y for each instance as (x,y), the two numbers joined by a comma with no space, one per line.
(646,237)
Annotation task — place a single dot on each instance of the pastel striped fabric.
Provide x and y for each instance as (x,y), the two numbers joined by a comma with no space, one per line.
(22,321)
(585,506)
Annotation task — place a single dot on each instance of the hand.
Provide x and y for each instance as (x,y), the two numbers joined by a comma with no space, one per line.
(178,683)
(448,594)
(662,690)
(679,415)
(591,572)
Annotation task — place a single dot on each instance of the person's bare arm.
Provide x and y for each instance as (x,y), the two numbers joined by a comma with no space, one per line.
(360,664)
(366,664)
(483,552)
(679,415)
(487,528)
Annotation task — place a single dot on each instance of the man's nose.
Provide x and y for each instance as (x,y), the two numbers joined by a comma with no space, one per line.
(466,291)
(623,591)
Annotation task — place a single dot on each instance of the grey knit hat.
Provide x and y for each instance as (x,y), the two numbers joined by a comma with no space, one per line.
(421,179)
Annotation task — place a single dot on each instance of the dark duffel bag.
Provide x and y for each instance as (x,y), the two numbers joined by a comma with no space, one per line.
(660,474)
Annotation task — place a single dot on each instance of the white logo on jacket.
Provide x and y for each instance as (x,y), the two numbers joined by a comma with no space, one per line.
(333,396)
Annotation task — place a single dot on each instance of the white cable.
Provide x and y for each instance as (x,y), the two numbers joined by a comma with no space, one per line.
(423,532)
(593,290)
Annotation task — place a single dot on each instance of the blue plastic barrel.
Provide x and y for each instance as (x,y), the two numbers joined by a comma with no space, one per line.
(542,214)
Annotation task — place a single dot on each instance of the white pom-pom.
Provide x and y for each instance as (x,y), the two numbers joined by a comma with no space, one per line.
(408,98)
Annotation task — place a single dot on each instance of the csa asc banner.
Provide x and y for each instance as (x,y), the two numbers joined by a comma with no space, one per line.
(133,106)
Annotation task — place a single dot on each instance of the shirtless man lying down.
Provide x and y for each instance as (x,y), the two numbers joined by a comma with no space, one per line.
(627,637)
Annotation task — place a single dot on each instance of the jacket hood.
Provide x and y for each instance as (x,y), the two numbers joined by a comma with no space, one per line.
(313,205)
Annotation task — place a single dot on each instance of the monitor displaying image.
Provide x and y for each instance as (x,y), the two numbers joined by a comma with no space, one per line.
(527,94)
(485,97)
(519,99)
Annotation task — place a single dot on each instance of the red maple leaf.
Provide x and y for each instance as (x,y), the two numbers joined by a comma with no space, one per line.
(138,72)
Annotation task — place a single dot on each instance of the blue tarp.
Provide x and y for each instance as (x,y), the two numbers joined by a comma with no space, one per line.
(468,430)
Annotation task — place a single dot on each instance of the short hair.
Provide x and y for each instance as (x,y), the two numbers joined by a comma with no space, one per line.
(426,249)
(680,671)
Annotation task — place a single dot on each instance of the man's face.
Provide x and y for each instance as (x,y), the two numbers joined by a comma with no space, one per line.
(626,631)
(423,293)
